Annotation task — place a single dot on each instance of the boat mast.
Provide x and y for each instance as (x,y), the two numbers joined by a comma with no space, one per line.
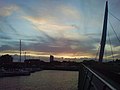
(103,39)
(20,50)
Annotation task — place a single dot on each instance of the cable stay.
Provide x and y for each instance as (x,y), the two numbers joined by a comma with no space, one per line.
(114,16)
(114,31)
(111,46)
(97,53)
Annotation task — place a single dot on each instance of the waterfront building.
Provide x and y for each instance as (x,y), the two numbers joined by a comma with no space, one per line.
(51,58)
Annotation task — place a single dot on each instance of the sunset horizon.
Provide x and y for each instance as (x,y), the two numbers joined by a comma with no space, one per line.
(70,28)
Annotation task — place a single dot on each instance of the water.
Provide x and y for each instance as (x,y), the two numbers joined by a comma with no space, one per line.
(43,80)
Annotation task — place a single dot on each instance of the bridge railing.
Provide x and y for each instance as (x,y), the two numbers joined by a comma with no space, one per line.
(89,80)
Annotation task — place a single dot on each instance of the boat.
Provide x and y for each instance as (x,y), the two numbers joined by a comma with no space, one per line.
(7,73)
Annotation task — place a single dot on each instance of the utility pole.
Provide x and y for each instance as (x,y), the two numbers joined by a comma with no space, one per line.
(104,33)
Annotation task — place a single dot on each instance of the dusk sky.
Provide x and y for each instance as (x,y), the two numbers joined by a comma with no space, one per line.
(63,28)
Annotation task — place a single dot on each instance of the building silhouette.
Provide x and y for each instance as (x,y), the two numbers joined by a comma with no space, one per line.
(51,58)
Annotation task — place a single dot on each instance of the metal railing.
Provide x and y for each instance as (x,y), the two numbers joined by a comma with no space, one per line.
(89,80)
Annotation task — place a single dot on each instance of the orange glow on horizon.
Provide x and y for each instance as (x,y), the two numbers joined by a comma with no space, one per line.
(45,54)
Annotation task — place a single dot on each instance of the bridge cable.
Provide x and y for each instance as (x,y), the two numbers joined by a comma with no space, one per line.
(111,46)
(114,31)
(97,53)
(114,16)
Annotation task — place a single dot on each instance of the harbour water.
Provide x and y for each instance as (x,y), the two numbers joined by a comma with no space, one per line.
(42,80)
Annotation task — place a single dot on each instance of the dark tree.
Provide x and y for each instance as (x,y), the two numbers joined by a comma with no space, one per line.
(6,59)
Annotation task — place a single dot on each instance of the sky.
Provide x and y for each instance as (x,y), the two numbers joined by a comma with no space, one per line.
(63,28)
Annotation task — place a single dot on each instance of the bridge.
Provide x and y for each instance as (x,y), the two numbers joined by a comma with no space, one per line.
(92,80)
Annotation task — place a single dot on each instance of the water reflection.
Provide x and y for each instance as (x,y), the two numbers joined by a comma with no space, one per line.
(43,80)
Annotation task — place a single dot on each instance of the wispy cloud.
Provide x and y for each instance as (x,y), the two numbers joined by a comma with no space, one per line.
(70,12)
(60,27)
(8,10)
(53,29)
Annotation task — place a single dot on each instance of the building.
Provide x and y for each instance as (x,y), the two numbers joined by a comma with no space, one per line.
(51,58)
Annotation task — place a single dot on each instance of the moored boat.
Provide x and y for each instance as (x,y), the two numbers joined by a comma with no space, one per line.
(6,73)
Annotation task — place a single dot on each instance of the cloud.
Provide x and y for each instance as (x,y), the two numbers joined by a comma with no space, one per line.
(59,47)
(62,39)
(52,29)
(55,27)
(36,20)
(5,37)
(70,12)
(8,10)
(46,24)
(5,47)
(63,47)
